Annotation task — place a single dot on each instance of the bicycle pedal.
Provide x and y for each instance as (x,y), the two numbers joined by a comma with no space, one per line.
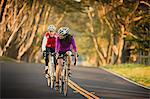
(46,76)
(54,78)
(69,74)
(68,68)
(57,88)
(46,71)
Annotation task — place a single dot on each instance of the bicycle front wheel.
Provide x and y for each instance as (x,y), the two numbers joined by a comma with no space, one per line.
(48,81)
(65,89)
(52,81)
(61,85)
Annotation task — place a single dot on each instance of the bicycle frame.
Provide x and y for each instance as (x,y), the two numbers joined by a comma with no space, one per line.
(63,82)
(51,70)
(64,75)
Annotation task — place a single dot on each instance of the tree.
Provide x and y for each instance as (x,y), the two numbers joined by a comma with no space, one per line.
(104,26)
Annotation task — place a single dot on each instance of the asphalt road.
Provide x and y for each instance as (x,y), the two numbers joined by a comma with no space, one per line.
(107,85)
(26,80)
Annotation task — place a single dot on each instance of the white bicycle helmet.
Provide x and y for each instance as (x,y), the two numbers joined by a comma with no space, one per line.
(51,28)
(63,31)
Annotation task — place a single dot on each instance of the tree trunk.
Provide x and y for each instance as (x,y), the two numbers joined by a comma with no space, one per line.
(3,22)
(101,58)
(16,18)
(13,34)
(46,16)
(37,56)
(102,32)
(27,29)
(14,29)
(25,32)
(32,54)
(28,45)
(1,51)
(109,49)
(100,54)
(60,19)
(2,8)
(120,46)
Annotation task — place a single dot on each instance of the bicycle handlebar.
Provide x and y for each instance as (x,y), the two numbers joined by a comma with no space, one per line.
(75,60)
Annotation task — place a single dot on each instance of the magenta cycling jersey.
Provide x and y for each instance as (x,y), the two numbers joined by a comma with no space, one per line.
(62,46)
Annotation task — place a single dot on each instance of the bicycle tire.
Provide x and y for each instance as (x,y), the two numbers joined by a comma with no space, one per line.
(48,74)
(51,71)
(61,85)
(65,85)
(48,81)
(52,77)
(52,82)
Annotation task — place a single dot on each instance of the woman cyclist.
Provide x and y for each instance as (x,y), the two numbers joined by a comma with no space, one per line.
(64,45)
(48,44)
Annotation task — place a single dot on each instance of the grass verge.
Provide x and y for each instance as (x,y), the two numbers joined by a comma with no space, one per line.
(135,72)
(4,58)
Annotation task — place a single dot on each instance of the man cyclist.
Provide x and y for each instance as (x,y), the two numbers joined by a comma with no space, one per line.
(64,45)
(48,44)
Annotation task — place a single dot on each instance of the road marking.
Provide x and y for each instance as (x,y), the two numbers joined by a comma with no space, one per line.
(92,92)
(82,91)
(75,91)
(84,94)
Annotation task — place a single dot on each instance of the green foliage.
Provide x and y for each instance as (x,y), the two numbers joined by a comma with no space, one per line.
(30,2)
(136,72)
(125,66)
(38,35)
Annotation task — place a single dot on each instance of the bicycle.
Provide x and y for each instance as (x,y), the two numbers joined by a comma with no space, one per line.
(63,81)
(51,70)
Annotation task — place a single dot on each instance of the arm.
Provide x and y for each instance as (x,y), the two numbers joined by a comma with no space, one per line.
(75,50)
(44,43)
(74,44)
(57,45)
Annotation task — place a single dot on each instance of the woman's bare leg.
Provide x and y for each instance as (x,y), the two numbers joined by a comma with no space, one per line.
(59,69)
